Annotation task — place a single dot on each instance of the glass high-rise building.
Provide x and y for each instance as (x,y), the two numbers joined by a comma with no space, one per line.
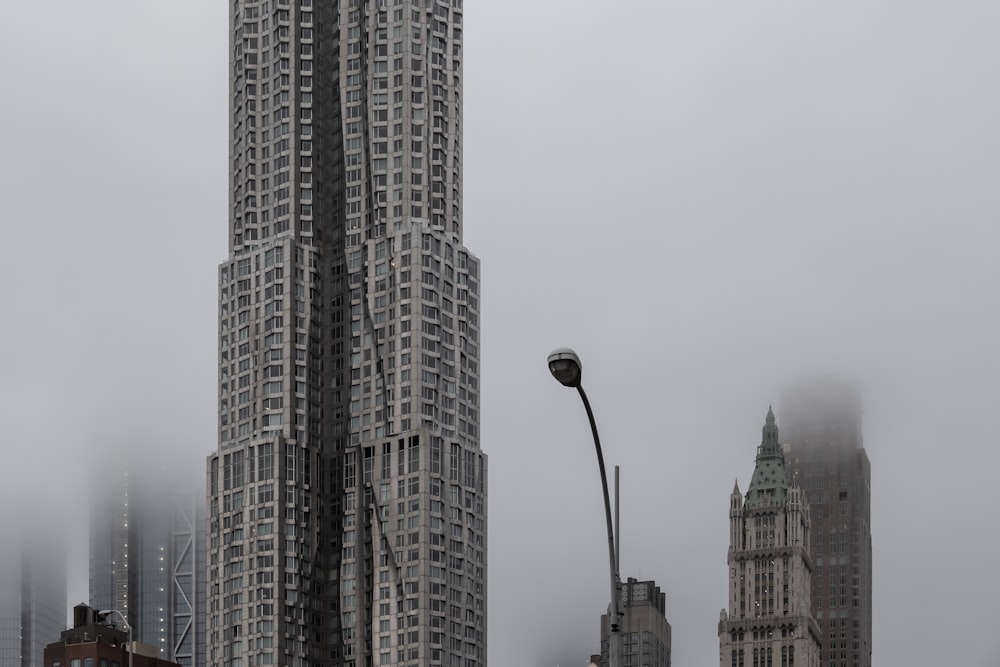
(32,589)
(827,458)
(347,498)
(147,556)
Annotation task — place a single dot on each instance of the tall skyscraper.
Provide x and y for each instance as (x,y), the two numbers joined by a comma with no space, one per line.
(822,437)
(147,556)
(645,629)
(32,590)
(347,498)
(768,621)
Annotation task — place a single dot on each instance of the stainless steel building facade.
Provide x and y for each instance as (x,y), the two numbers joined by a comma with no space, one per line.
(347,497)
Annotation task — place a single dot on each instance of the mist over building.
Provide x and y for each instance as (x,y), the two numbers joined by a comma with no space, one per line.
(347,498)
(32,589)
(826,456)
(147,554)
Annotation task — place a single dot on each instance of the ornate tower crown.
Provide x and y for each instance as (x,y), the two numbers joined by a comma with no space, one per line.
(769,484)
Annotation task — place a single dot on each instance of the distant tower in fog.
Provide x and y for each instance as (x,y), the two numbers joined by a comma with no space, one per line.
(32,591)
(822,436)
(147,556)
(768,621)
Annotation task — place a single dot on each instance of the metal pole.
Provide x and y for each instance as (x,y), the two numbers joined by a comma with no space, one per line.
(618,528)
(614,610)
(128,629)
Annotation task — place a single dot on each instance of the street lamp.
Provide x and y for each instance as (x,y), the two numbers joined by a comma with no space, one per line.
(128,628)
(565,366)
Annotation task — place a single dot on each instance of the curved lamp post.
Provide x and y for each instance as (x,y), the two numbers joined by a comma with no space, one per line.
(565,366)
(128,628)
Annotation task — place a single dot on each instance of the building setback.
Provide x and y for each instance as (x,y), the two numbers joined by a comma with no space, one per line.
(347,497)
(826,456)
(645,630)
(768,621)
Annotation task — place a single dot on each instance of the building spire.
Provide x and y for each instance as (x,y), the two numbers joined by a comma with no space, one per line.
(770,430)
(769,483)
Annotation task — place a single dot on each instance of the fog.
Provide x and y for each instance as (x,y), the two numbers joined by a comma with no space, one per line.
(707,201)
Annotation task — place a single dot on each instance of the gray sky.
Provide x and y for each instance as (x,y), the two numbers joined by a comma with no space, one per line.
(706,199)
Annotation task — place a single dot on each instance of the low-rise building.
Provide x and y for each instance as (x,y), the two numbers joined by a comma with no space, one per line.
(645,630)
(92,642)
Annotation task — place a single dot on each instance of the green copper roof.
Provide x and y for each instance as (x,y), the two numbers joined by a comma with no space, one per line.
(769,484)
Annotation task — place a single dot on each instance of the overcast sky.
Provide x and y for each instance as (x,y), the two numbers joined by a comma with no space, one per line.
(708,200)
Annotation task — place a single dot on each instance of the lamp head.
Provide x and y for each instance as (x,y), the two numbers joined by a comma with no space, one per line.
(565,366)
(102,616)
